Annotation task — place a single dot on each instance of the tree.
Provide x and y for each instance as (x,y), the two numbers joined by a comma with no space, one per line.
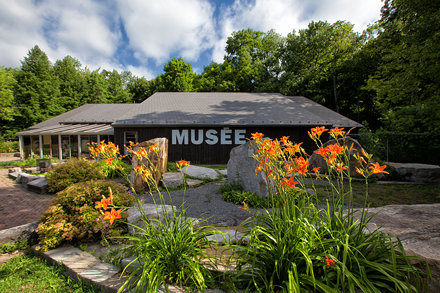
(37,94)
(72,82)
(8,109)
(141,89)
(407,83)
(178,77)
(253,58)
(116,86)
(313,58)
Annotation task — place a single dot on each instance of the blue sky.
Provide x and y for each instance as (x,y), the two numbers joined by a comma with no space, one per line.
(142,35)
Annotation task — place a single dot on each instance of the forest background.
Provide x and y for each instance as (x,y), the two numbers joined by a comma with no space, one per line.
(386,77)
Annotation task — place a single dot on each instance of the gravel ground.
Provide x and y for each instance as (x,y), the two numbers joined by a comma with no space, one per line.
(205,202)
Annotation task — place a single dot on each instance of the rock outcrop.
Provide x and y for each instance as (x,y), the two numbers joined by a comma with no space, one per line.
(418,227)
(155,161)
(421,173)
(241,168)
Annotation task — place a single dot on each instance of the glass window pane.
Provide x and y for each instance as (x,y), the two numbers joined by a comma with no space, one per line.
(27,146)
(46,145)
(54,146)
(65,146)
(74,146)
(85,140)
(36,145)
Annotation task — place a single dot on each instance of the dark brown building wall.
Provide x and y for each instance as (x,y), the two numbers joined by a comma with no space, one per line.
(218,153)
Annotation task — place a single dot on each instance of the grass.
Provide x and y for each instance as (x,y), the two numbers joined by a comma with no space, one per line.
(387,194)
(29,273)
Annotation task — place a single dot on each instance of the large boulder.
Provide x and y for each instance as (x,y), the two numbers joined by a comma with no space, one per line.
(199,172)
(421,173)
(418,227)
(155,162)
(316,160)
(241,168)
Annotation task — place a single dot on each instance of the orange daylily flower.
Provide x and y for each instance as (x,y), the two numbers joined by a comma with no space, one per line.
(335,149)
(337,131)
(270,174)
(257,136)
(317,131)
(322,152)
(182,163)
(340,168)
(329,261)
(112,215)
(103,203)
(259,168)
(289,182)
(316,169)
(109,160)
(376,168)
(301,165)
(245,207)
(154,148)
(284,139)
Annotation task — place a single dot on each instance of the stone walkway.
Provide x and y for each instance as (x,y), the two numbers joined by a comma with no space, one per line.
(18,206)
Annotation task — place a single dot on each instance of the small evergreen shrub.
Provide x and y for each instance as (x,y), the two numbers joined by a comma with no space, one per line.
(72,172)
(72,216)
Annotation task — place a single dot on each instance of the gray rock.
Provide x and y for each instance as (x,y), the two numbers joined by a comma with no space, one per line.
(150,211)
(223,172)
(417,226)
(39,185)
(14,175)
(421,173)
(172,180)
(193,182)
(18,233)
(26,178)
(14,170)
(200,172)
(241,168)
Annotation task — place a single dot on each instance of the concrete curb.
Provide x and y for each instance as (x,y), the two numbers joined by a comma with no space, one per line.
(81,264)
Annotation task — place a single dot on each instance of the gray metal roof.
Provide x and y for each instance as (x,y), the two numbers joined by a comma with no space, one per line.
(209,109)
(99,113)
(71,129)
(56,120)
(336,119)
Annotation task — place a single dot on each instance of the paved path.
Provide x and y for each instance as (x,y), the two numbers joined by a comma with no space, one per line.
(18,206)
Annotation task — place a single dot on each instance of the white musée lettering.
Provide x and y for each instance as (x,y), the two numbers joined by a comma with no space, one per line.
(211,136)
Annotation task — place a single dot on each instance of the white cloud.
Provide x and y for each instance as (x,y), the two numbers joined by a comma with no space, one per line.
(157,31)
(160,29)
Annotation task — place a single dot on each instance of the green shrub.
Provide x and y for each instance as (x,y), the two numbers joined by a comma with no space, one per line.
(72,216)
(8,146)
(110,172)
(71,172)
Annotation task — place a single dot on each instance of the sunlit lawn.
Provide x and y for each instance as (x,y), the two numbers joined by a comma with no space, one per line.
(29,273)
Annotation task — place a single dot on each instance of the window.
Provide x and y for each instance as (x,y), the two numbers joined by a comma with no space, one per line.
(129,136)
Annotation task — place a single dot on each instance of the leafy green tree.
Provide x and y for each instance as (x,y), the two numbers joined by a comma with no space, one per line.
(37,94)
(116,86)
(141,89)
(8,109)
(254,59)
(97,88)
(407,83)
(72,82)
(178,77)
(313,58)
